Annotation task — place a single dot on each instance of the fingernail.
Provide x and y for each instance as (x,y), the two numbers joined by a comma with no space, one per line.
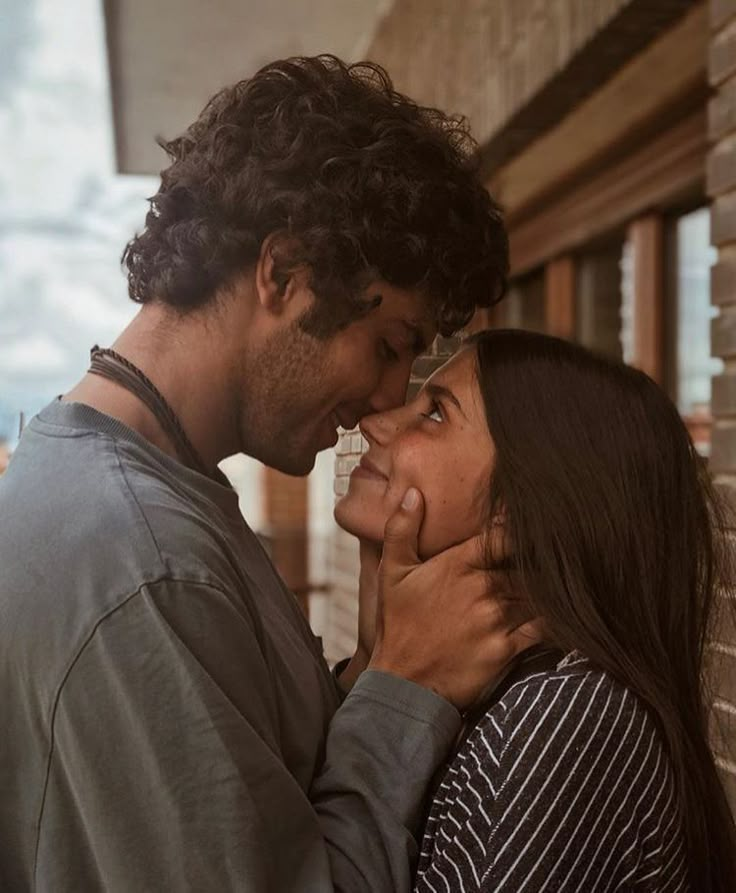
(411,499)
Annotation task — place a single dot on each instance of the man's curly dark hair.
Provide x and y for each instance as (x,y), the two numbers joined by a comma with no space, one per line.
(361,181)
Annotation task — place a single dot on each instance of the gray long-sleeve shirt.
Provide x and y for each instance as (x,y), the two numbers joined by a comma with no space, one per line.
(168,721)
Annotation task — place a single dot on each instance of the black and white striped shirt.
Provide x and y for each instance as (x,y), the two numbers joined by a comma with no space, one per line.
(563,785)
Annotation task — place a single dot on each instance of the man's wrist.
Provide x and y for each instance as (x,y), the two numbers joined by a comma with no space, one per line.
(355,666)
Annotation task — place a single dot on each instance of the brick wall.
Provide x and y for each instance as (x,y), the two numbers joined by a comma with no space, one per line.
(497,53)
(513,67)
(722,190)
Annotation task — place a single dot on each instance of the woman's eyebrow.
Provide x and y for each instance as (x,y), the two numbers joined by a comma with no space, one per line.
(438,390)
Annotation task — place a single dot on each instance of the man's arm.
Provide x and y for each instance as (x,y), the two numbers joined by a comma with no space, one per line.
(384,745)
(166,769)
(163,777)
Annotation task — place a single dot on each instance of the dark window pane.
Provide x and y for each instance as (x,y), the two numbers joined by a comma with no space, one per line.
(598,300)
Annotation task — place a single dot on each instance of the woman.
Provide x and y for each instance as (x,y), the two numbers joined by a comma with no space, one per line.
(588,768)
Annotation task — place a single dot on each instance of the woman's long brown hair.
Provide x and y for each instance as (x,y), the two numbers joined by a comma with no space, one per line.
(617,533)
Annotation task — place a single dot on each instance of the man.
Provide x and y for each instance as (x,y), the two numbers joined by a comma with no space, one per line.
(169,722)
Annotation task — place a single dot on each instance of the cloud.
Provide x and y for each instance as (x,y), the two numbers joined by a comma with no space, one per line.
(36,356)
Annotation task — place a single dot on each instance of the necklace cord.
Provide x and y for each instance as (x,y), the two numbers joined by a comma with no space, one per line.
(109,364)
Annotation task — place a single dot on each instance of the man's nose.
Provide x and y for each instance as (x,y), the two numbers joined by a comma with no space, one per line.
(381,427)
(392,388)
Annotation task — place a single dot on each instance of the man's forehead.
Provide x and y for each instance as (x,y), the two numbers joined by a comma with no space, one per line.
(422,332)
(411,308)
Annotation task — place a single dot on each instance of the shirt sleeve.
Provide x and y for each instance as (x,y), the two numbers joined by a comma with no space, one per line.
(384,744)
(576,757)
(166,771)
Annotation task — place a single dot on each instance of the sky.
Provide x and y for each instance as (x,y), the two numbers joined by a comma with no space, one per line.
(65,215)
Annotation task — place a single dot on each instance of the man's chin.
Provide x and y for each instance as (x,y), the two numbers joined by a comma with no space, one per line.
(296,466)
(291,464)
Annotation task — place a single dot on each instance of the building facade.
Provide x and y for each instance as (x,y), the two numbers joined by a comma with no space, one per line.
(607,131)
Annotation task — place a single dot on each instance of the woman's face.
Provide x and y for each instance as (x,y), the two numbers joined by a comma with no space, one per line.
(438,443)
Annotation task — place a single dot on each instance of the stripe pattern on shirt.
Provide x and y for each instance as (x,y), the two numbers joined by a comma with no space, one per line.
(563,785)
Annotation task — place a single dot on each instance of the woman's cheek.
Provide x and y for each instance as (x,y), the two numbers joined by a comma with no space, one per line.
(439,526)
(449,516)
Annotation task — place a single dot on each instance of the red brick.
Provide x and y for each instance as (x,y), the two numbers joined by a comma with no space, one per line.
(728,780)
(722,110)
(722,60)
(723,733)
(721,176)
(723,279)
(720,12)
(723,449)
(723,334)
(723,219)
(723,399)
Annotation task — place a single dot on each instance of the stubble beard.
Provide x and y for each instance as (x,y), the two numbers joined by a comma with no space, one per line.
(280,411)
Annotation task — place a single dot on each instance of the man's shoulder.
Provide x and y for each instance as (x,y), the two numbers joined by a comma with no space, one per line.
(87,521)
(119,494)
(68,501)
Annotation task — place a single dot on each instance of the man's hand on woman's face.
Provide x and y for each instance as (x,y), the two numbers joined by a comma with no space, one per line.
(438,622)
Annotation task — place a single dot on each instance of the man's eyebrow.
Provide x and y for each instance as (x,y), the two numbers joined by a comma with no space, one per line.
(438,390)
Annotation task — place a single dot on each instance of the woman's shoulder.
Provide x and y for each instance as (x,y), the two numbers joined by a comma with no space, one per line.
(563,775)
(557,715)
(548,689)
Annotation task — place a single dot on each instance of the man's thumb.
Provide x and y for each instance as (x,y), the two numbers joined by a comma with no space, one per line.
(402,533)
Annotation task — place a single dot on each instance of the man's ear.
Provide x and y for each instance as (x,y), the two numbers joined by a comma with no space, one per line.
(276,281)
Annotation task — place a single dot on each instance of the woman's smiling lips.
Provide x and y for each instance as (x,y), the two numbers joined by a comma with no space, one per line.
(366,469)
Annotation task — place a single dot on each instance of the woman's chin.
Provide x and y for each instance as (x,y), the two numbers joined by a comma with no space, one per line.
(359,520)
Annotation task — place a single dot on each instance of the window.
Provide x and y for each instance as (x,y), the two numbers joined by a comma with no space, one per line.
(598,303)
(690,366)
(523,306)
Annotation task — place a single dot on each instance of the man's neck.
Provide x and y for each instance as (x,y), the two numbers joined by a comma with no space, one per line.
(180,356)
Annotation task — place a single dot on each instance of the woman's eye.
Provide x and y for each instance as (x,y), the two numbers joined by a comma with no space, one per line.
(434,415)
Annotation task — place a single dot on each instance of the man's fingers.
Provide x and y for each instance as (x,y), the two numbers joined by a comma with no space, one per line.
(475,553)
(470,554)
(514,613)
(532,632)
(402,533)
